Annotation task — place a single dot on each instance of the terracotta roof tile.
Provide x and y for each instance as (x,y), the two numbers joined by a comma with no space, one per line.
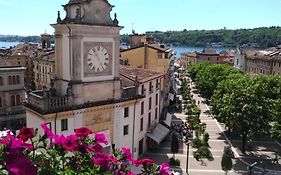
(143,75)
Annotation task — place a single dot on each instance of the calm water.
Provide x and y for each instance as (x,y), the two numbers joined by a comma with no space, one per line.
(178,49)
(182,49)
(8,44)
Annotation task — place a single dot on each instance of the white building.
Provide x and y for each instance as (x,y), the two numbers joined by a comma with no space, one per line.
(143,116)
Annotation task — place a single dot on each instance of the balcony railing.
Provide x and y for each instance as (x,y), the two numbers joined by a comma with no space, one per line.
(45,103)
(129,92)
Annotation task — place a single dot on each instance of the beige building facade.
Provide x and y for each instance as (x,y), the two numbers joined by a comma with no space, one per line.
(23,55)
(44,68)
(267,62)
(12,96)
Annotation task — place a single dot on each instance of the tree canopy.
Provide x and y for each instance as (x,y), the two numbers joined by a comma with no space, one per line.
(247,105)
(259,37)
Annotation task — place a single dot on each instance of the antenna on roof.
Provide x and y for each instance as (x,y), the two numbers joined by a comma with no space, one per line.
(133,30)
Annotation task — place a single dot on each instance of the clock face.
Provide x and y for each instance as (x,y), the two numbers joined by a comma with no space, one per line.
(98,59)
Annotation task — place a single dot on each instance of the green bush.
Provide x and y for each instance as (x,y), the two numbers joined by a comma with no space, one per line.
(174,162)
(196,143)
(206,139)
(203,152)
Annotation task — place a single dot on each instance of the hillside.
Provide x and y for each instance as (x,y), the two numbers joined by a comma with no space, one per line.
(258,37)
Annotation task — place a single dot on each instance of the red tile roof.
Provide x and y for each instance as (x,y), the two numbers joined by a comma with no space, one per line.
(143,75)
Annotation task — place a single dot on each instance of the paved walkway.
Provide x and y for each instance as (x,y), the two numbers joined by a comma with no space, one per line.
(217,142)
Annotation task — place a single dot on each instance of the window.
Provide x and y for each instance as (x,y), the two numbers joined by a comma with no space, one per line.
(149,105)
(14,79)
(1,102)
(18,79)
(17,100)
(156,113)
(1,81)
(142,90)
(64,126)
(126,112)
(126,130)
(158,83)
(142,108)
(49,125)
(150,86)
(149,119)
(141,124)
(13,100)
(156,100)
(10,80)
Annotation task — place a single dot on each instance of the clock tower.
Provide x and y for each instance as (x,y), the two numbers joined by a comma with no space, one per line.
(87,52)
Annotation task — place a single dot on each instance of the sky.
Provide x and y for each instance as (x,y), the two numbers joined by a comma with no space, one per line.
(33,17)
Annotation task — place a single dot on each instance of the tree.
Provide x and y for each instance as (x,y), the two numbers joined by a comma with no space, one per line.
(226,161)
(174,144)
(245,103)
(276,129)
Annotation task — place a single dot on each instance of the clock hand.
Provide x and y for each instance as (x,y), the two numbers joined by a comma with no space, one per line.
(98,59)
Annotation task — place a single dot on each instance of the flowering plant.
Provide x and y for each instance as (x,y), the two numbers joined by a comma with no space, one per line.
(78,154)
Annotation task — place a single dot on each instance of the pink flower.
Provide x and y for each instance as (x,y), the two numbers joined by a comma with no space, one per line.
(48,133)
(103,161)
(26,133)
(16,144)
(144,162)
(165,169)
(83,132)
(68,143)
(97,148)
(128,155)
(100,138)
(127,152)
(19,165)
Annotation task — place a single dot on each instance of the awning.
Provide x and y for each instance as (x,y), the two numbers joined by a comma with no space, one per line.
(159,133)
(171,96)
(176,65)
(168,119)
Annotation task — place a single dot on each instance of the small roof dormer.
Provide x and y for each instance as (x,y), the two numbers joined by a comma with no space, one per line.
(90,12)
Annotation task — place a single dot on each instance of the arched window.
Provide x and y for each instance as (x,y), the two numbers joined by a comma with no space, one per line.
(18,79)
(13,100)
(10,80)
(1,81)
(18,100)
(14,79)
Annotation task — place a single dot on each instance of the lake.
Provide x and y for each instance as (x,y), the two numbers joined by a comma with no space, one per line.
(177,49)
(8,44)
(182,49)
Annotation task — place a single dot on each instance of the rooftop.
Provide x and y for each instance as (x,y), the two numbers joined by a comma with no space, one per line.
(143,75)
(6,64)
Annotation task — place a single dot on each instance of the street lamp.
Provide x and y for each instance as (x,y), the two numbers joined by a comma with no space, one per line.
(187,155)
(188,139)
(250,168)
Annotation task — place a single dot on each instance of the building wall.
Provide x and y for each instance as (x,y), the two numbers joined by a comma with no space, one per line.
(276,67)
(134,120)
(258,66)
(26,61)
(42,70)
(12,95)
(135,57)
(205,57)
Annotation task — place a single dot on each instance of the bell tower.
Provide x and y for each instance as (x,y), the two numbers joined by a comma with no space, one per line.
(87,52)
